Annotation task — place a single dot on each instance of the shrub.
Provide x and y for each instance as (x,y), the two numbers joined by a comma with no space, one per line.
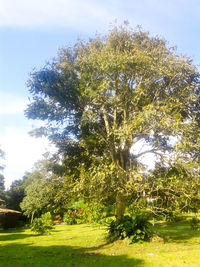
(70,217)
(107,221)
(43,224)
(75,216)
(81,216)
(135,229)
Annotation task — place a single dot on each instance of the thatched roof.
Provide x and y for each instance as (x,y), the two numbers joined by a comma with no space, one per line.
(9,211)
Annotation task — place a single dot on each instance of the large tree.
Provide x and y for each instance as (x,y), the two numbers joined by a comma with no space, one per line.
(101,97)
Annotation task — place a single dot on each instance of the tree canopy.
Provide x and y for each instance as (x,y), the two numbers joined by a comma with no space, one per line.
(101,97)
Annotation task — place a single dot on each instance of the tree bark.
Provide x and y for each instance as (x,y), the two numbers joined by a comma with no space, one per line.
(123,162)
(32,216)
(120,206)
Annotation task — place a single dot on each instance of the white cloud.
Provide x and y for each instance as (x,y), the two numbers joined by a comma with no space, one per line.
(11,104)
(160,17)
(21,152)
(64,13)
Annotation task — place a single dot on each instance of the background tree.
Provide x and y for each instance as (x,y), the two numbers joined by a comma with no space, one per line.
(43,191)
(2,187)
(2,180)
(1,157)
(35,200)
(101,97)
(16,193)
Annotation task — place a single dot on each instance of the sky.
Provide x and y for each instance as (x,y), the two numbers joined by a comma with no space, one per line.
(31,31)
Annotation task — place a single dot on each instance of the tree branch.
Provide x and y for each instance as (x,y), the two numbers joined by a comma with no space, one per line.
(106,121)
(155,151)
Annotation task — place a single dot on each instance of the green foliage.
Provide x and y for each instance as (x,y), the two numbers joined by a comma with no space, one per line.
(75,216)
(70,217)
(169,191)
(44,191)
(2,187)
(134,229)
(194,223)
(96,212)
(93,213)
(15,194)
(82,216)
(2,179)
(43,224)
(101,97)
(139,206)
(35,199)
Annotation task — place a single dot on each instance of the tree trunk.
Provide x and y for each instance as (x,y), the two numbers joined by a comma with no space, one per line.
(120,205)
(122,160)
(32,216)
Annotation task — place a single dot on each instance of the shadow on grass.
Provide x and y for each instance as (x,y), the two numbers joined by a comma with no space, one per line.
(177,232)
(26,255)
(12,230)
(13,236)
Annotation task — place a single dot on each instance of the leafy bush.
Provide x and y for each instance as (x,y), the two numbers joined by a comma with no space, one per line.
(95,213)
(137,207)
(75,216)
(107,221)
(43,224)
(70,217)
(81,216)
(194,223)
(135,229)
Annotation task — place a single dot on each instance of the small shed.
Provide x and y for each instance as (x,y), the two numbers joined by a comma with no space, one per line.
(8,218)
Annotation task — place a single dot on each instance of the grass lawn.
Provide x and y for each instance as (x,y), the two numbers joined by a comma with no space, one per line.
(82,245)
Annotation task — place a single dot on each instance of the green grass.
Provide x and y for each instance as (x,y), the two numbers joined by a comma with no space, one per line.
(82,245)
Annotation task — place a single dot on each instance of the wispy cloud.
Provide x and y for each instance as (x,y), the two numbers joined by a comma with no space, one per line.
(157,16)
(64,13)
(11,104)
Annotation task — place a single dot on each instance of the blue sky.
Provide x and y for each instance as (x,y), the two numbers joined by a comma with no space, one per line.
(31,31)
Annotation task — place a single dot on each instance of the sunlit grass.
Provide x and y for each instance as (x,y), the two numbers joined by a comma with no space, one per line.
(82,245)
